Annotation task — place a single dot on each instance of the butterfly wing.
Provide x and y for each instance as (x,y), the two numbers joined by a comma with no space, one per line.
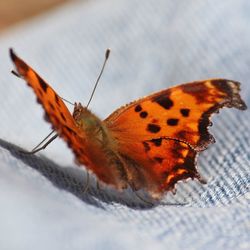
(163,132)
(84,147)
(157,137)
(56,111)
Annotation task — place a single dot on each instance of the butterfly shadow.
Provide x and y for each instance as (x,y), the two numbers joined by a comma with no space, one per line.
(74,180)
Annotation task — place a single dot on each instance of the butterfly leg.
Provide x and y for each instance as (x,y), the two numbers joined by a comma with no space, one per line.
(87,184)
(15,73)
(40,143)
(38,148)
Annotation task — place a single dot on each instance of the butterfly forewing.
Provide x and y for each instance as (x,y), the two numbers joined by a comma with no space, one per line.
(55,109)
(180,112)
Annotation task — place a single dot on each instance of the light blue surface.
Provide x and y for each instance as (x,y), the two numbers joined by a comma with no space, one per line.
(155,44)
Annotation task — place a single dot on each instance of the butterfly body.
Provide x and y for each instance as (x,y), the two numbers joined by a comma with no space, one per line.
(151,143)
(100,148)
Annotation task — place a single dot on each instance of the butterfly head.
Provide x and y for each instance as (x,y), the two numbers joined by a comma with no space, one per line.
(85,118)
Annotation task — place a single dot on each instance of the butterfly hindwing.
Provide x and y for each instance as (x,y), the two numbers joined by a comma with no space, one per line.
(163,132)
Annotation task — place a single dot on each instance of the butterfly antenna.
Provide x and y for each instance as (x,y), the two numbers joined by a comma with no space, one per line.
(98,78)
(67,101)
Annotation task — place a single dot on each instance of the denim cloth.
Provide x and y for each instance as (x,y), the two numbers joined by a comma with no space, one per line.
(155,44)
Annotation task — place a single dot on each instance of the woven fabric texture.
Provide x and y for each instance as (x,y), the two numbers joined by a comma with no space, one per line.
(155,44)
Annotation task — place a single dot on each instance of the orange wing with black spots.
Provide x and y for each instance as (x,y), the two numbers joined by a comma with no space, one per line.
(55,110)
(84,145)
(172,161)
(181,112)
(164,131)
(149,144)
(54,107)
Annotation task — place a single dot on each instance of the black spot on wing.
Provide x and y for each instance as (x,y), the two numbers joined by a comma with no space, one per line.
(51,105)
(157,142)
(57,99)
(42,83)
(185,112)
(163,101)
(138,108)
(63,117)
(143,114)
(153,128)
(172,121)
(158,159)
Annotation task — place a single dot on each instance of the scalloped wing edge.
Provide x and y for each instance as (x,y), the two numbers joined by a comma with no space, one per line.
(232,89)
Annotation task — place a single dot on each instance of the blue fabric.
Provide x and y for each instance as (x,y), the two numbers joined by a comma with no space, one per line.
(154,45)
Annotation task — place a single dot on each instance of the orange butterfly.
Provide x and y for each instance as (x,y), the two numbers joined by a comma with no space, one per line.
(148,144)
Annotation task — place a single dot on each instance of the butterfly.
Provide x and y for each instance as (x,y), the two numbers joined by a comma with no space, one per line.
(151,143)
